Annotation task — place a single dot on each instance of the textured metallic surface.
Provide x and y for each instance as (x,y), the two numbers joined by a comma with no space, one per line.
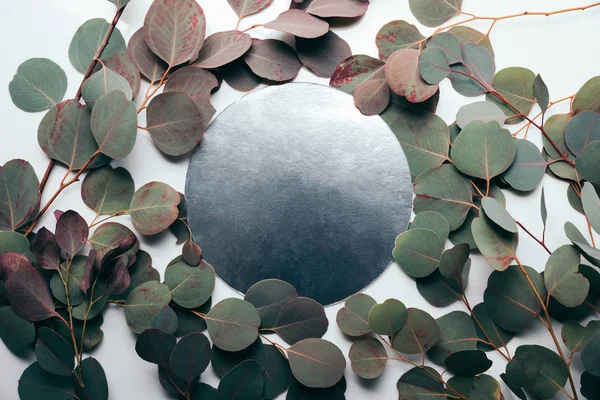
(293,182)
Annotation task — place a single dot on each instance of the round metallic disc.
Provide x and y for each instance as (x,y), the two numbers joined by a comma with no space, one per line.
(293,182)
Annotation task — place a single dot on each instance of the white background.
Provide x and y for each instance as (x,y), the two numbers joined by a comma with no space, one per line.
(562,48)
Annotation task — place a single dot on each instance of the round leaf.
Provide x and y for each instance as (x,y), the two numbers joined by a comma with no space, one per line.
(222,48)
(144,303)
(108,237)
(233,324)
(190,356)
(433,221)
(123,65)
(368,358)
(457,334)
(301,318)
(38,85)
(441,291)
(496,245)
(114,124)
(15,332)
(498,214)
(224,361)
(299,23)
(166,320)
(246,7)
(155,346)
(108,191)
(175,30)
(372,96)
(277,375)
(420,333)
(433,65)
(477,59)
(94,380)
(402,74)
(337,8)
(588,163)
(353,318)
(322,55)
(454,260)
(35,384)
(433,13)
(247,375)
(528,167)
(20,195)
(388,318)
(28,295)
(588,97)
(269,297)
(582,130)
(87,41)
(450,45)
(418,252)
(484,111)
(190,286)
(71,232)
(467,34)
(239,76)
(468,362)
(102,83)
(316,363)
(272,59)
(420,383)
(397,35)
(537,369)
(516,85)
(153,208)
(355,70)
(562,277)
(174,123)
(54,353)
(149,63)
(488,330)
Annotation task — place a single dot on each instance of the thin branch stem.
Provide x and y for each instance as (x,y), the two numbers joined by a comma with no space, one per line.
(541,242)
(65,281)
(151,92)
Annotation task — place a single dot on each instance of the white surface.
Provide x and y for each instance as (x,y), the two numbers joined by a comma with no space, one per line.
(562,48)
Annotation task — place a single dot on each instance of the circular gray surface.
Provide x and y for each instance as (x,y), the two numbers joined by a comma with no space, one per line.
(293,182)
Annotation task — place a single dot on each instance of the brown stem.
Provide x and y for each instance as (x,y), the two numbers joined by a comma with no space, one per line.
(65,281)
(150,93)
(541,242)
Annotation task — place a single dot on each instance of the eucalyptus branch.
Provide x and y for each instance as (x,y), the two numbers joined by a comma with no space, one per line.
(541,242)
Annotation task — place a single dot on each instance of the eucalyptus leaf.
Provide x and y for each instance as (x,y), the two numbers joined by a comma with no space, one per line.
(540,91)
(198,84)
(457,333)
(239,76)
(28,294)
(576,237)
(528,168)
(102,83)
(338,8)
(107,238)
(38,85)
(150,65)
(388,317)
(190,356)
(353,318)
(421,383)
(246,7)
(562,278)
(442,291)
(301,318)
(403,76)
(233,324)
(420,333)
(277,375)
(73,277)
(108,191)
(224,361)
(433,221)
(588,163)
(247,375)
(13,241)
(95,386)
(418,252)
(87,41)
(590,356)
(433,13)
(124,65)
(190,286)
(468,362)
(166,320)
(484,111)
(368,358)
(20,195)
(449,44)
(516,85)
(155,346)
(222,48)
(316,363)
(322,55)
(144,303)
(588,97)
(454,260)
(153,208)
(273,59)
(433,65)
(397,35)
(496,213)
(477,59)
(71,232)
(355,70)
(54,353)
(16,332)
(114,124)
(269,297)
(299,23)
(576,337)
(466,34)
(35,383)
(372,96)
(591,205)
(582,130)
(174,30)
(488,330)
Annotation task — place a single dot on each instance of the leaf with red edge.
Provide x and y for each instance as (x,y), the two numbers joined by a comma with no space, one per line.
(46,250)
(174,123)
(322,55)
(12,261)
(19,194)
(397,35)
(198,84)
(372,96)
(123,65)
(175,30)
(338,8)
(153,208)
(222,48)
(246,7)
(71,232)
(355,70)
(150,65)
(299,23)
(29,295)
(273,59)
(404,78)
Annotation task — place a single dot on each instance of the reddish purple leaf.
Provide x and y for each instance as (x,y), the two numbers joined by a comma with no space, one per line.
(403,76)
(29,295)
(118,281)
(300,4)
(372,96)
(12,261)
(110,258)
(109,236)
(87,272)
(222,48)
(150,65)
(175,30)
(19,194)
(58,213)
(192,253)
(355,70)
(123,65)
(198,84)
(239,76)
(71,232)
(323,54)
(338,8)
(299,23)
(273,59)
(46,250)
(247,7)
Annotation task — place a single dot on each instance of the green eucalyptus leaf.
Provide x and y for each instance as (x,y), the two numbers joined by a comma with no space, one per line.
(153,208)
(198,84)
(576,237)
(109,236)
(433,221)
(269,297)
(488,330)
(38,85)
(16,332)
(224,361)
(368,358)
(124,65)
(445,190)
(528,168)
(424,138)
(562,277)
(582,130)
(190,286)
(188,322)
(13,242)
(484,387)
(277,375)
(102,83)
(441,291)
(420,333)
(94,381)
(588,97)
(433,65)
(457,333)
(166,320)
(244,382)
(301,318)
(202,391)
(449,44)
(316,363)
(484,111)
(190,356)
(588,163)
(144,303)
(54,353)
(590,386)
(516,85)
(466,34)
(298,391)
(353,318)
(454,260)
(388,318)
(590,356)
(509,299)
(418,252)
(35,384)
(497,246)
(555,128)
(396,35)
(576,337)
(498,214)
(591,205)
(108,191)
(73,277)
(114,124)
(483,150)
(233,324)
(540,92)
(477,59)
(434,13)
(155,346)
(420,384)
(93,305)
(20,195)
(468,362)
(87,41)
